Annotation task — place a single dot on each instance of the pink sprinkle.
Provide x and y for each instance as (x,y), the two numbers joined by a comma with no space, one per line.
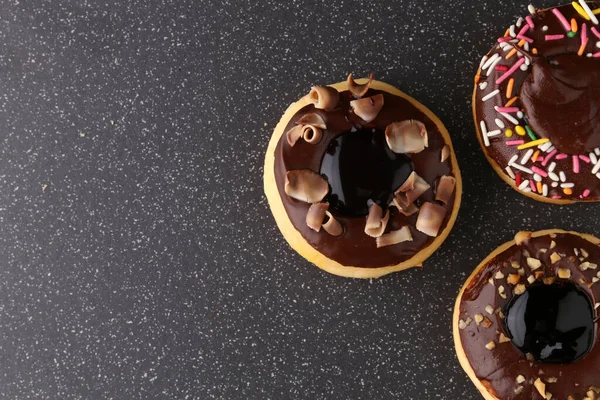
(502,68)
(510,71)
(532,184)
(504,39)
(554,37)
(539,171)
(584,34)
(508,109)
(556,197)
(562,19)
(525,38)
(547,160)
(530,22)
(595,31)
(515,142)
(586,193)
(585,159)
(597,55)
(561,156)
(540,159)
(524,30)
(576,164)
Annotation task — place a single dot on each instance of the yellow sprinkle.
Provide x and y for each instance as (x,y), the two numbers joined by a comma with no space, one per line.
(511,101)
(521,131)
(596,12)
(568,191)
(533,143)
(580,10)
(574,26)
(508,133)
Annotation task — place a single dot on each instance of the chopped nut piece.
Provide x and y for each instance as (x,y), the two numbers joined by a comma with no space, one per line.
(554,258)
(515,264)
(533,263)
(500,314)
(531,279)
(584,253)
(541,387)
(552,380)
(588,265)
(468,321)
(529,357)
(486,322)
(445,153)
(552,244)
(499,275)
(564,273)
(576,252)
(520,379)
(519,390)
(543,251)
(548,396)
(519,289)
(462,324)
(500,289)
(490,345)
(513,279)
(521,272)
(491,281)
(550,280)
(489,309)
(597,306)
(539,274)
(504,339)
(503,295)
(478,319)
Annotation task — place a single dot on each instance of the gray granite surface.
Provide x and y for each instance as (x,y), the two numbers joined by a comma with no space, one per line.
(138,256)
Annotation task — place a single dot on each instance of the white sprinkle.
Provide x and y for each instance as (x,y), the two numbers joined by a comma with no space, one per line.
(513,159)
(552,166)
(520,115)
(510,172)
(524,67)
(545,28)
(596,168)
(545,146)
(494,133)
(490,70)
(563,177)
(551,149)
(484,133)
(527,156)
(545,190)
(598,175)
(553,176)
(589,12)
(567,185)
(509,117)
(527,61)
(483,85)
(526,47)
(597,151)
(520,22)
(531,9)
(598,44)
(537,178)
(593,158)
(500,124)
(554,184)
(491,95)
(523,185)
(490,61)
(483,61)
(512,31)
(522,168)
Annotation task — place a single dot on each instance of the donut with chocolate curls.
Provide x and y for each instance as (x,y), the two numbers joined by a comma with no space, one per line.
(526,321)
(362,179)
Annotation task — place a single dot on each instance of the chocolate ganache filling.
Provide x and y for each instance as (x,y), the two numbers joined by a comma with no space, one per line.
(554,323)
(361,169)
(561,98)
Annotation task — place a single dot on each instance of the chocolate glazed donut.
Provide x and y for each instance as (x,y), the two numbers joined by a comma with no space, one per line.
(536,104)
(526,321)
(362,179)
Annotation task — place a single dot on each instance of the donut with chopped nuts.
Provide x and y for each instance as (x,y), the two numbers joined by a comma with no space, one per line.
(362,179)
(526,321)
(536,104)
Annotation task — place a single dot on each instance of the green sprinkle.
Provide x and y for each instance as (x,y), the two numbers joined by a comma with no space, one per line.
(571,34)
(530,133)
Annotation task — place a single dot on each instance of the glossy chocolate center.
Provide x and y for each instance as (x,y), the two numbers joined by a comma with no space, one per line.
(561,98)
(361,168)
(555,323)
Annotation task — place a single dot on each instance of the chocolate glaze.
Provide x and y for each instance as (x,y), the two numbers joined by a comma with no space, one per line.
(499,368)
(354,247)
(560,95)
(360,167)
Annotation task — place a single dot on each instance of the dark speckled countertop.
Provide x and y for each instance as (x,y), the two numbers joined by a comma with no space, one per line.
(138,257)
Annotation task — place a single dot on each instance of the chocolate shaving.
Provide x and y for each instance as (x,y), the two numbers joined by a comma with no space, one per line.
(409,183)
(294,134)
(420,187)
(310,133)
(316,216)
(408,136)
(445,153)
(367,108)
(357,90)
(376,221)
(395,237)
(445,189)
(408,210)
(312,119)
(324,97)
(305,185)
(430,219)
(332,225)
